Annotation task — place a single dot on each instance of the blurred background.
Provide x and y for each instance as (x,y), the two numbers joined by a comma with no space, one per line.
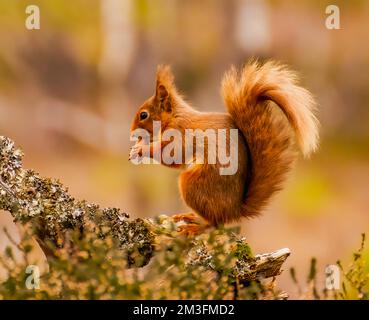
(68,93)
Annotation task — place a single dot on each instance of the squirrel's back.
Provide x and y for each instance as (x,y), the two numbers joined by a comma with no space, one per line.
(248,94)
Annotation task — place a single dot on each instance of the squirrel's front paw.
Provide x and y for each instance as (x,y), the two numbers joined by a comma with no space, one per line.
(136,151)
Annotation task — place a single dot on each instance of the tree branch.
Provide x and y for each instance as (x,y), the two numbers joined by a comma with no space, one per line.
(46,205)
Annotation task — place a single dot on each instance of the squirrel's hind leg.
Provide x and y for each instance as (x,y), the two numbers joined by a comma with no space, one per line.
(187,217)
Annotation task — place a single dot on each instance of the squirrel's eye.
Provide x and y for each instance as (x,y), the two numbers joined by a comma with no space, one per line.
(144,115)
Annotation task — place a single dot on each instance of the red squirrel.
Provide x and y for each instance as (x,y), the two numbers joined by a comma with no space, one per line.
(265,140)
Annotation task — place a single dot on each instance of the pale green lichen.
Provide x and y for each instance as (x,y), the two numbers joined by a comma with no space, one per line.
(48,206)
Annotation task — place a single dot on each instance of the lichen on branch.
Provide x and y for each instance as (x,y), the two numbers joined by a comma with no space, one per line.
(53,213)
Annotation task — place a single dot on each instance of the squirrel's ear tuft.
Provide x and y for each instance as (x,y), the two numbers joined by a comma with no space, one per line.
(161,92)
(164,86)
(164,80)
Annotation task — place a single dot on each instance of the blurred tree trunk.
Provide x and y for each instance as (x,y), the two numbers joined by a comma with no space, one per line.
(118,49)
(252,29)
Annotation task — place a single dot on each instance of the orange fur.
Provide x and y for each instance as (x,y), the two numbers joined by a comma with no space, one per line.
(264,148)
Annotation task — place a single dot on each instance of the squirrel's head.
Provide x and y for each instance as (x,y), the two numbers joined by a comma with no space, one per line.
(160,106)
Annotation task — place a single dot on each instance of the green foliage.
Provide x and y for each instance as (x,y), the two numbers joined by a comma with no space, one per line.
(354,284)
(356,278)
(94,267)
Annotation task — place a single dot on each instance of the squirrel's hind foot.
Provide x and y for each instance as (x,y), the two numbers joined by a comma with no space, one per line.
(193,224)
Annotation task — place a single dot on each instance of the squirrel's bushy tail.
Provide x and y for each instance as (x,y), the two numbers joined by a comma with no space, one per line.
(247,94)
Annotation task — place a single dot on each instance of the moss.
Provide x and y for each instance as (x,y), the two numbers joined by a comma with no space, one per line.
(242,250)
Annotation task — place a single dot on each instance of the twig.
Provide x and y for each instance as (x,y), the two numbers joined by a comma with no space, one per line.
(5,188)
